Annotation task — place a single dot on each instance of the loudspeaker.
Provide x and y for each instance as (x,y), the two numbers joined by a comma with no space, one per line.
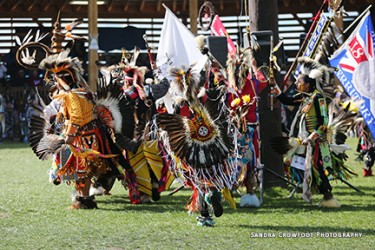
(217,46)
(262,55)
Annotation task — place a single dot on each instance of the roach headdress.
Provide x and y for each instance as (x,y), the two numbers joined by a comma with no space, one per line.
(320,73)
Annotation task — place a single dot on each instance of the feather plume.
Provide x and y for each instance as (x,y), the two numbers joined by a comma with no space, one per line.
(328,45)
(27,37)
(254,42)
(42,143)
(49,144)
(37,35)
(134,58)
(111,105)
(74,24)
(18,41)
(341,119)
(231,71)
(200,42)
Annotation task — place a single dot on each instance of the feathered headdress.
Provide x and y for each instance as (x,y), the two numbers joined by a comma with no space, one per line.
(320,73)
(126,69)
(329,44)
(62,63)
(185,84)
(130,72)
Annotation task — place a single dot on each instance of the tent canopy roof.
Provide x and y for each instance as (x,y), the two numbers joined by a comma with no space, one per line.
(151,8)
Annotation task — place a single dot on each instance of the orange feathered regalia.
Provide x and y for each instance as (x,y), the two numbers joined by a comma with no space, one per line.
(72,128)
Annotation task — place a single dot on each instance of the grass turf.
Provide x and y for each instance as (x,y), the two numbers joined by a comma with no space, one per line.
(34,215)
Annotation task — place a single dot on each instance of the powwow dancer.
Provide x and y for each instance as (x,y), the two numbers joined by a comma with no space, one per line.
(241,74)
(137,106)
(366,147)
(2,117)
(199,139)
(81,147)
(315,141)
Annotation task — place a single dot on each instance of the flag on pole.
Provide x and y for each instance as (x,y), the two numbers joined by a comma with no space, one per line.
(177,47)
(316,37)
(355,65)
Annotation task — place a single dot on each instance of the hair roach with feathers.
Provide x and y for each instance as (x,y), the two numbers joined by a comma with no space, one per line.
(320,73)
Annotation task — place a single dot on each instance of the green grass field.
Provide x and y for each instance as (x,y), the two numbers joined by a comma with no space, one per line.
(34,215)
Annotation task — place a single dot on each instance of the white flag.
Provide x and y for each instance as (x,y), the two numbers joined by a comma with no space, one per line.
(177,44)
(177,47)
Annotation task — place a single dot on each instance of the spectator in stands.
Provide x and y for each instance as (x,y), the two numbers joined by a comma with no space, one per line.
(35,79)
(29,105)
(20,80)
(36,82)
(2,116)
(3,71)
(11,115)
(10,59)
(23,121)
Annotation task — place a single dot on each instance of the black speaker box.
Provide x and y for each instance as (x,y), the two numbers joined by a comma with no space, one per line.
(264,40)
(218,48)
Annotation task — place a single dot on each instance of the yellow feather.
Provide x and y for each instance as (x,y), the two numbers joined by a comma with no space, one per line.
(228,197)
(235,102)
(246,99)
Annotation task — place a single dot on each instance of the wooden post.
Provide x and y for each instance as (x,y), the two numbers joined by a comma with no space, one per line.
(263,15)
(93,43)
(193,12)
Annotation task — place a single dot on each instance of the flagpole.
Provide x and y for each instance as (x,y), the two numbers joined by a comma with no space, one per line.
(93,43)
(355,21)
(312,27)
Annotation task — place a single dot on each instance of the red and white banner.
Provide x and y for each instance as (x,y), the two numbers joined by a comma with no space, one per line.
(218,29)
